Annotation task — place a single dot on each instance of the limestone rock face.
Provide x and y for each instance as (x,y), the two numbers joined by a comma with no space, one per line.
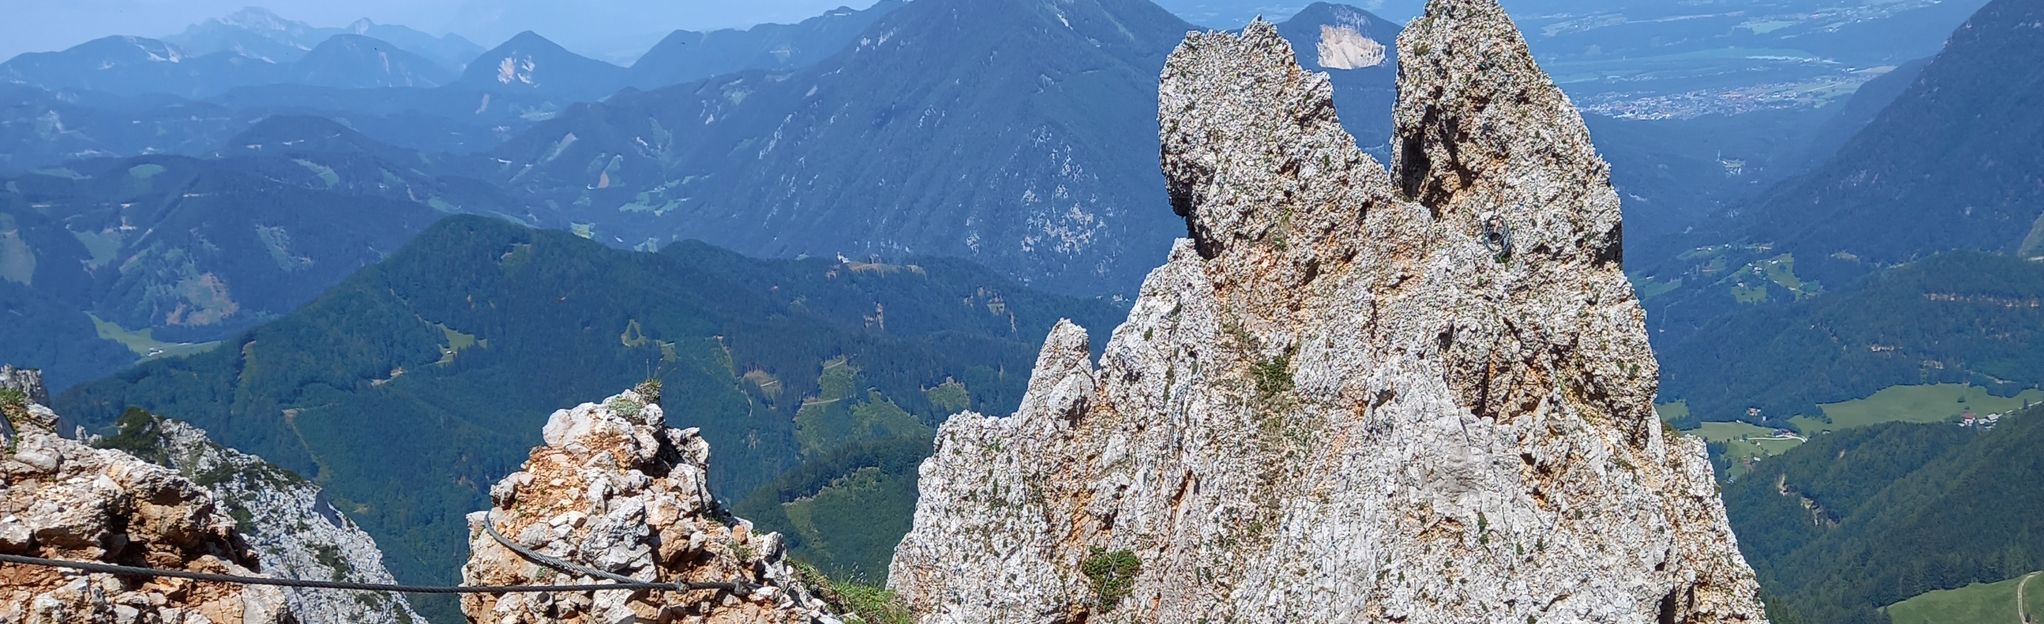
(615,489)
(290,525)
(27,381)
(1422,394)
(61,499)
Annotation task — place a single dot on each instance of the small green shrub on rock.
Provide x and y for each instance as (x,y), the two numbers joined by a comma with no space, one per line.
(1113,574)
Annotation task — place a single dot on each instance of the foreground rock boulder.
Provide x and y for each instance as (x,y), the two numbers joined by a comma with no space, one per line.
(1422,394)
(62,499)
(286,519)
(616,490)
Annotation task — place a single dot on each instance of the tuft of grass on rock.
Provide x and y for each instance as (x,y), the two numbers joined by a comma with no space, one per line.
(864,603)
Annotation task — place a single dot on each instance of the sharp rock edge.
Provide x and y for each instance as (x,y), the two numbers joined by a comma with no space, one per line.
(615,489)
(292,526)
(1422,394)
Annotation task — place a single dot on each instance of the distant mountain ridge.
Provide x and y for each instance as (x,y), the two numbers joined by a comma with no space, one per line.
(112,260)
(1012,131)
(339,62)
(530,63)
(263,34)
(1952,163)
(1907,257)
(139,66)
(1007,131)
(685,56)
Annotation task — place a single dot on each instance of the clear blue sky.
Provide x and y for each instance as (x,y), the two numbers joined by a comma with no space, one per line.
(33,25)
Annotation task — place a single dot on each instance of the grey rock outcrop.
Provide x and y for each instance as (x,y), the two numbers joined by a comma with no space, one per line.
(1422,394)
(284,518)
(27,381)
(61,499)
(617,490)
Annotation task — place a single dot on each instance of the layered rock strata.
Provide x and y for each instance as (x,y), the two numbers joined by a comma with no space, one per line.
(616,490)
(1421,394)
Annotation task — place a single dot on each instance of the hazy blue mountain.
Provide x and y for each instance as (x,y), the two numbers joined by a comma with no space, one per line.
(444,119)
(1848,118)
(359,62)
(262,34)
(530,64)
(1232,14)
(449,51)
(130,66)
(154,254)
(41,128)
(685,56)
(134,65)
(1010,131)
(412,384)
(253,32)
(1953,163)
(1359,53)
(1950,164)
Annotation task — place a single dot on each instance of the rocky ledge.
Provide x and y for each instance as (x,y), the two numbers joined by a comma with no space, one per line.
(286,519)
(1420,394)
(616,490)
(61,499)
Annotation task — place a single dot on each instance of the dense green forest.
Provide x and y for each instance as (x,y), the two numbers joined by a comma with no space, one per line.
(1856,520)
(1960,317)
(416,383)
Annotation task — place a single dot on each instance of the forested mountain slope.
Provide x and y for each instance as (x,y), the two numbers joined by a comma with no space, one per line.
(1860,519)
(119,259)
(423,377)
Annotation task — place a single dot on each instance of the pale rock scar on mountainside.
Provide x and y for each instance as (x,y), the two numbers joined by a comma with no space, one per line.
(1343,47)
(1422,394)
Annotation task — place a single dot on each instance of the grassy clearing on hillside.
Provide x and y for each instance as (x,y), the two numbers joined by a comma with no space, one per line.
(144,342)
(17,258)
(145,171)
(1730,431)
(457,342)
(326,174)
(1745,443)
(1933,403)
(1673,412)
(837,414)
(1976,603)
(1650,288)
(1750,283)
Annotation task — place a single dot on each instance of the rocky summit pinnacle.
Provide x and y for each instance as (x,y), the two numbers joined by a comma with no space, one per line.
(615,490)
(1420,394)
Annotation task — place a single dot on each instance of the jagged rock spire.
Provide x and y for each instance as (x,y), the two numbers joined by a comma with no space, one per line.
(1483,132)
(1352,394)
(615,489)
